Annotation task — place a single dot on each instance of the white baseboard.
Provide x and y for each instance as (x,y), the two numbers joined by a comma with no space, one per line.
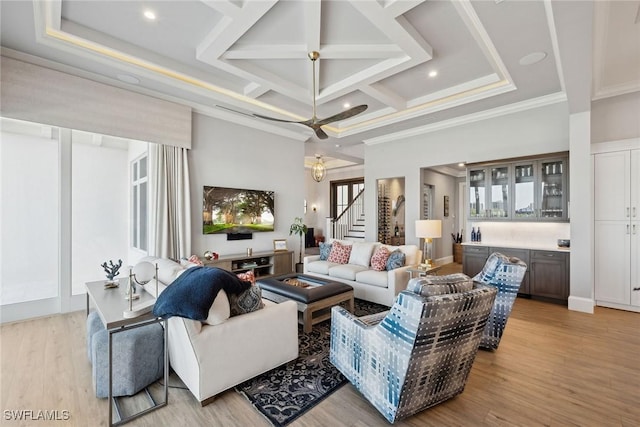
(584,305)
(444,260)
(618,306)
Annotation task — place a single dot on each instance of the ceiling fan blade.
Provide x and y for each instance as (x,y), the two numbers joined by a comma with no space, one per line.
(260,116)
(343,115)
(320,133)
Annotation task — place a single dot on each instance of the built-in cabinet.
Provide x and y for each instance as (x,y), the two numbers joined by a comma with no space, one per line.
(263,264)
(547,275)
(617,228)
(529,190)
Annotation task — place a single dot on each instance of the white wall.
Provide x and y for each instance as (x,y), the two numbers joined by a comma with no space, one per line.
(136,150)
(444,185)
(531,132)
(615,118)
(227,155)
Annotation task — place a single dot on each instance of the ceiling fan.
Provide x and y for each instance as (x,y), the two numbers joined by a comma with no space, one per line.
(314,123)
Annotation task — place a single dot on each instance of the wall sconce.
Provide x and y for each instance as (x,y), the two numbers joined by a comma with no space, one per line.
(314,207)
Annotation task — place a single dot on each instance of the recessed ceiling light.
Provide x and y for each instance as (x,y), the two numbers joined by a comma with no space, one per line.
(346,105)
(433,73)
(532,58)
(127,78)
(150,15)
(337,145)
(461,164)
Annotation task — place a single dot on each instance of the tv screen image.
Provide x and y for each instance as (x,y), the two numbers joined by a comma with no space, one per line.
(233,210)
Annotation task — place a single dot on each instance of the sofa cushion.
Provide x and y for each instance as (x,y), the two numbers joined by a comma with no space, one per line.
(246,302)
(396,260)
(379,258)
(346,271)
(439,285)
(320,267)
(374,278)
(192,293)
(339,253)
(361,253)
(325,250)
(220,310)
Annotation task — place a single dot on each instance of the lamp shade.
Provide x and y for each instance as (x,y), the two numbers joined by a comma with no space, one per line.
(429,228)
(143,272)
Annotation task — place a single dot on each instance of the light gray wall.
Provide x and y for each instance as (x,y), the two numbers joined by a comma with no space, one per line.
(532,132)
(228,155)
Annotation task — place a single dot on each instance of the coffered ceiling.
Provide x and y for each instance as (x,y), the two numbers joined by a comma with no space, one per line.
(414,63)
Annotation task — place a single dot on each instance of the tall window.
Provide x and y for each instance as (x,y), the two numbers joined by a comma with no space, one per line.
(139,203)
(342,194)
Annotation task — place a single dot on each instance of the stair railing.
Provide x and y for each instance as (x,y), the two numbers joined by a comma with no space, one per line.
(342,224)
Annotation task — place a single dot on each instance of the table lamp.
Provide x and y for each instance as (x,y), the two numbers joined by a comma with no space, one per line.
(428,229)
(141,274)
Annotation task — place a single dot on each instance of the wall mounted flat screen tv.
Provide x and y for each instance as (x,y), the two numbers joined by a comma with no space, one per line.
(233,210)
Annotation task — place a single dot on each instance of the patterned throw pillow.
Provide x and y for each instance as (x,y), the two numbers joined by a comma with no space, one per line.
(246,302)
(379,259)
(247,276)
(325,250)
(396,260)
(439,285)
(339,253)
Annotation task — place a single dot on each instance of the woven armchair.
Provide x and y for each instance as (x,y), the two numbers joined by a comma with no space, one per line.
(506,274)
(418,355)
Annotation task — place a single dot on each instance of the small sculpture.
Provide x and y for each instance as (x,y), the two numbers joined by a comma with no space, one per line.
(111,269)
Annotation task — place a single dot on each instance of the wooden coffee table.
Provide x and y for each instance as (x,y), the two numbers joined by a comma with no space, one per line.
(314,296)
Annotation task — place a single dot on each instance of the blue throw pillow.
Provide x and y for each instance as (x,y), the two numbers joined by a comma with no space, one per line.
(396,260)
(192,293)
(325,250)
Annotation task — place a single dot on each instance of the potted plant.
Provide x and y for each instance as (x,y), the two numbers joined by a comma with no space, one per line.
(300,229)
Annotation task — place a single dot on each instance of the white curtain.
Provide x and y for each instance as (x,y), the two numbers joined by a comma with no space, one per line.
(170,216)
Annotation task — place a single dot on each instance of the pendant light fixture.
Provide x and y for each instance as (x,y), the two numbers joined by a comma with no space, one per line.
(318,170)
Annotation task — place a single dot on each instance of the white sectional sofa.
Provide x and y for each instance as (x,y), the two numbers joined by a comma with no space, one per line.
(368,284)
(212,358)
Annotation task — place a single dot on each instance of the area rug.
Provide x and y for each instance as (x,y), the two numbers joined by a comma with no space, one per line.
(285,393)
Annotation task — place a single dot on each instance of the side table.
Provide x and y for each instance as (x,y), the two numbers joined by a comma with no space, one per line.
(110,305)
(420,272)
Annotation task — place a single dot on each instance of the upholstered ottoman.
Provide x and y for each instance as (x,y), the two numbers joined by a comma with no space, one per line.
(137,357)
(314,296)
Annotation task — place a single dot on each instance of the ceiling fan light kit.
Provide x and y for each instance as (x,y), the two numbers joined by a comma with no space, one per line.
(313,122)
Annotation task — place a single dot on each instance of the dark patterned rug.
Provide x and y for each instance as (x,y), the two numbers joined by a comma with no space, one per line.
(285,393)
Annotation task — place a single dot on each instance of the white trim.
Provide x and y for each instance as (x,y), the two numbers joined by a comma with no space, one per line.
(618,306)
(444,260)
(584,305)
(553,34)
(617,145)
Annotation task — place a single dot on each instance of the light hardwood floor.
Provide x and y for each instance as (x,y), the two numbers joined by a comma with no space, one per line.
(554,367)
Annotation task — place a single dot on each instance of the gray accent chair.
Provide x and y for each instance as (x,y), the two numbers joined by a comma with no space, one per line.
(420,354)
(506,274)
(138,357)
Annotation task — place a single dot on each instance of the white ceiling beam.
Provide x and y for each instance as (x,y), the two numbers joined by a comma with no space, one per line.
(400,7)
(225,7)
(298,51)
(312,28)
(384,95)
(230,29)
(254,90)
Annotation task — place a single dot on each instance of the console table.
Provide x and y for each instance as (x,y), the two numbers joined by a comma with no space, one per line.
(110,305)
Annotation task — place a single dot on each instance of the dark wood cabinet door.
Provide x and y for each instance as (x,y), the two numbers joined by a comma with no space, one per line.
(473,259)
(549,275)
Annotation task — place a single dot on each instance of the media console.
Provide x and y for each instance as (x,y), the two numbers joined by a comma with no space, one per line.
(263,264)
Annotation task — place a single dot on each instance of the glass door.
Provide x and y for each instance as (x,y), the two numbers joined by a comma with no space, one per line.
(552,189)
(524,191)
(499,196)
(477,193)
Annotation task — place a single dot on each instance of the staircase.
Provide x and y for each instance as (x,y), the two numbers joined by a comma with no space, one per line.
(350,224)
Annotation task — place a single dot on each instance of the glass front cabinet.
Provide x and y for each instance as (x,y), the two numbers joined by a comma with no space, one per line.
(532,190)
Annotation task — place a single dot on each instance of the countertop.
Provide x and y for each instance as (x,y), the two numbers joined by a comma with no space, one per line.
(516,245)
